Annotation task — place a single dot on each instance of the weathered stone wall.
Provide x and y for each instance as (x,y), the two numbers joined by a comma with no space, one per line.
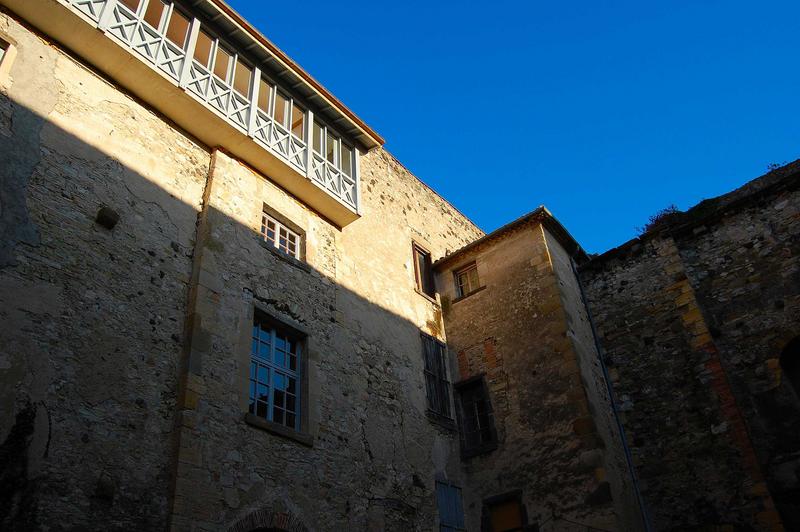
(91,319)
(516,333)
(375,453)
(610,460)
(693,318)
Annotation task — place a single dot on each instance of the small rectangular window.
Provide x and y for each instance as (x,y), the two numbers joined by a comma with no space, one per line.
(423,271)
(331,147)
(178,28)
(281,111)
(222,63)
(154,13)
(451,509)
(506,516)
(202,50)
(347,159)
(298,120)
(275,373)
(241,78)
(475,417)
(279,236)
(437,386)
(318,132)
(264,95)
(467,280)
(133,5)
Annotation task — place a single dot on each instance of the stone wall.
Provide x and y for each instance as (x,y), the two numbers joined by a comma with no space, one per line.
(523,333)
(111,332)
(91,318)
(693,317)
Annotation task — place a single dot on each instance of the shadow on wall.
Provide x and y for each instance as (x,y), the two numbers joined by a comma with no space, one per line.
(95,268)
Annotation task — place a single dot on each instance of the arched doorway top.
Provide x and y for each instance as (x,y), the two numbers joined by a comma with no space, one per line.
(269,520)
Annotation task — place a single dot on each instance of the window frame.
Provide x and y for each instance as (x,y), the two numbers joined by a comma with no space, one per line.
(437,381)
(458,510)
(268,215)
(419,284)
(461,388)
(277,327)
(465,270)
(341,142)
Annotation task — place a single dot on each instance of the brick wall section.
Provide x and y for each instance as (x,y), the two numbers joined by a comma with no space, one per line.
(692,320)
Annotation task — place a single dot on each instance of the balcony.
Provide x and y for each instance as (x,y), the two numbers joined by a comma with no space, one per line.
(221,81)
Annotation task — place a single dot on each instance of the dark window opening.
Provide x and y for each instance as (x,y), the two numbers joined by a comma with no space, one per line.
(423,270)
(790,365)
(476,419)
(437,387)
(504,513)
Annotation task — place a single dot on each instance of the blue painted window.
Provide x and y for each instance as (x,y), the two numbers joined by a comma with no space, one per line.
(451,511)
(275,374)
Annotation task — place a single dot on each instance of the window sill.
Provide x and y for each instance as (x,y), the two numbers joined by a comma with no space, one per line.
(441,421)
(279,430)
(462,298)
(297,263)
(486,448)
(426,296)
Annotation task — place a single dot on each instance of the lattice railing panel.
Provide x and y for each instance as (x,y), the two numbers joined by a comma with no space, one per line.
(155,49)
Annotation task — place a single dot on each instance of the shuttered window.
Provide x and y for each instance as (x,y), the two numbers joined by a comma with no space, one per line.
(475,417)
(451,510)
(437,387)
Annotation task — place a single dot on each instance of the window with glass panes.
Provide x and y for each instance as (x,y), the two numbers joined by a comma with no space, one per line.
(275,374)
(333,149)
(279,236)
(467,280)
(451,509)
(3,48)
(423,270)
(164,17)
(437,386)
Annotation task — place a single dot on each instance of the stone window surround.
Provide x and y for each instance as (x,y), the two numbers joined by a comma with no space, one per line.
(288,225)
(299,262)
(487,447)
(9,47)
(303,436)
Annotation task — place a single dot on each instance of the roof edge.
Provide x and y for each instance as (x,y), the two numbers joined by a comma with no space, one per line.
(281,56)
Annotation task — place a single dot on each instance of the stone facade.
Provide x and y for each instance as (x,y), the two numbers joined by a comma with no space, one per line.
(132,268)
(693,318)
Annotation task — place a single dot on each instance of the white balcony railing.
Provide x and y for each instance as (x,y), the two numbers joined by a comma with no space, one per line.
(153,48)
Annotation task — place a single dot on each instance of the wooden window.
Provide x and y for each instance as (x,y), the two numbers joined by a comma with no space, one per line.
(467,280)
(437,386)
(347,159)
(475,417)
(274,392)
(451,509)
(133,5)
(202,49)
(241,78)
(279,236)
(504,513)
(264,95)
(281,111)
(298,120)
(154,13)
(178,28)
(423,270)
(222,63)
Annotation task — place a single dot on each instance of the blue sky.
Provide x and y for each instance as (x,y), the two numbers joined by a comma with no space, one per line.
(605,111)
